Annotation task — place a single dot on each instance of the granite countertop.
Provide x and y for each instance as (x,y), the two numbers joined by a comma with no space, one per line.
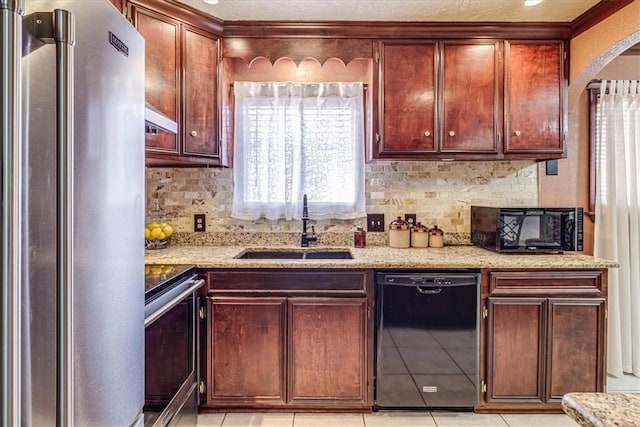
(374,257)
(603,409)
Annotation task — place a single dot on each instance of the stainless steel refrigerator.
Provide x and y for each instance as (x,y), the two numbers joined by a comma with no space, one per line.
(72,215)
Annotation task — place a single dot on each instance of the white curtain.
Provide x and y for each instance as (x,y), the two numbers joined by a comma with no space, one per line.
(617,227)
(298,138)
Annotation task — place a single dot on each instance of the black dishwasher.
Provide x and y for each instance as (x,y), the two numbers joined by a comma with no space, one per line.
(427,339)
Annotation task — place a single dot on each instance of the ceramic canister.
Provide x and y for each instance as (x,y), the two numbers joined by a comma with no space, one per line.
(399,236)
(419,236)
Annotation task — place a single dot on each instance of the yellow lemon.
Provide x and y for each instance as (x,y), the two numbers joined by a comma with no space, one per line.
(167,230)
(156,233)
(147,233)
(153,225)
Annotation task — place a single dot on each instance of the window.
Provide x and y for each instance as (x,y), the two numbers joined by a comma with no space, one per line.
(293,139)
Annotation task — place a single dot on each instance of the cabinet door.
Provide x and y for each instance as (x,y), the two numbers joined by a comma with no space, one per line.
(162,89)
(575,346)
(534,97)
(327,350)
(515,350)
(200,57)
(246,351)
(470,97)
(407,98)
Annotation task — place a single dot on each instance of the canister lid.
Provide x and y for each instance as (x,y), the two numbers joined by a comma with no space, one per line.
(399,224)
(436,231)
(419,228)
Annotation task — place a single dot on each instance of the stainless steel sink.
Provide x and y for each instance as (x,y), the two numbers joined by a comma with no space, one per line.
(294,254)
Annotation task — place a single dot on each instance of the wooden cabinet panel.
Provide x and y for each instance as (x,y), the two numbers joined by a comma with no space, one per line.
(246,350)
(408,98)
(327,350)
(534,97)
(576,346)
(181,81)
(545,336)
(515,360)
(161,89)
(470,97)
(200,94)
(547,283)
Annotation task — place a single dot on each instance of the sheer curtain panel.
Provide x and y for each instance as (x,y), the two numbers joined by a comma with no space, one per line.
(298,138)
(617,227)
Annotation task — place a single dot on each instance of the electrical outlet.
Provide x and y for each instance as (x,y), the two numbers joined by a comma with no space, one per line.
(375,222)
(199,223)
(410,218)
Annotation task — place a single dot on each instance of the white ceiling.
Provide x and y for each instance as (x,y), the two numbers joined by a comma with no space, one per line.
(395,10)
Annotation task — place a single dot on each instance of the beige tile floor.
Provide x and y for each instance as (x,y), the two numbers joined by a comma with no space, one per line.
(391,419)
(628,383)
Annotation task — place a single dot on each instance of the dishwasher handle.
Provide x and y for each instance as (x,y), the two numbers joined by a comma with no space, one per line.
(428,291)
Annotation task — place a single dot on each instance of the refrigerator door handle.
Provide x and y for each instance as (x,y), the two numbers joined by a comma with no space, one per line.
(59,27)
(11,12)
(64,37)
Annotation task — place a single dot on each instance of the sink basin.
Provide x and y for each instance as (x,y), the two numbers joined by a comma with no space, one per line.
(328,255)
(310,255)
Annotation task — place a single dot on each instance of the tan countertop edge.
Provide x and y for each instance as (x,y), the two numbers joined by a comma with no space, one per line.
(376,257)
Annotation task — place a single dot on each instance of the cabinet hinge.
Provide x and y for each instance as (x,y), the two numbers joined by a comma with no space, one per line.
(377,138)
(202,387)
(202,313)
(564,55)
(368,313)
(377,57)
(484,387)
(485,312)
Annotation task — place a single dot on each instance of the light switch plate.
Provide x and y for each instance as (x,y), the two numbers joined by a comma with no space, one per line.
(375,222)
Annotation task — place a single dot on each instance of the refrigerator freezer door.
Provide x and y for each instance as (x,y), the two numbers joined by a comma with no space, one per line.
(108,209)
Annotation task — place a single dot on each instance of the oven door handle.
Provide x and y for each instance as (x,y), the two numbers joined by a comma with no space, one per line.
(168,306)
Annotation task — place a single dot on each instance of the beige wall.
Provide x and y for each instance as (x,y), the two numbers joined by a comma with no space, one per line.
(437,192)
(590,52)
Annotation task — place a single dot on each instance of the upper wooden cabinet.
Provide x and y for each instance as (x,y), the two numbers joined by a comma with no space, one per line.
(407,98)
(469,97)
(534,97)
(182,83)
(455,99)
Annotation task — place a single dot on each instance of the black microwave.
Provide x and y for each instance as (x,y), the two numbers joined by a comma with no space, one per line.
(527,230)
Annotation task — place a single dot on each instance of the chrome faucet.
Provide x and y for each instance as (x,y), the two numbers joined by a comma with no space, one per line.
(307,239)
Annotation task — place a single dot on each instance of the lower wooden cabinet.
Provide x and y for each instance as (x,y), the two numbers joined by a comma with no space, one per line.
(246,350)
(544,337)
(327,350)
(289,351)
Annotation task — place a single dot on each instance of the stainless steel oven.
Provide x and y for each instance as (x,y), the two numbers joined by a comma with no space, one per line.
(171,342)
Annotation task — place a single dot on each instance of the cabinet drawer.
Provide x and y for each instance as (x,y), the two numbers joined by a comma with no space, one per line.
(547,283)
(291,282)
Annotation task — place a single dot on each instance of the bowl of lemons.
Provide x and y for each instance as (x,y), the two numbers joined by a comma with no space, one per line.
(157,230)
(156,235)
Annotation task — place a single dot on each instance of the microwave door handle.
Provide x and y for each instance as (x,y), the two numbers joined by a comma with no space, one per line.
(11,183)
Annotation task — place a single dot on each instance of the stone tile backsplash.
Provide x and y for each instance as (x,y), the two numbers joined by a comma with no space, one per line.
(437,192)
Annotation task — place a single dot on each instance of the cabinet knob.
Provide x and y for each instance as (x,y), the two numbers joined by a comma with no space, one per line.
(517,133)
(427,133)
(452,133)
(193,133)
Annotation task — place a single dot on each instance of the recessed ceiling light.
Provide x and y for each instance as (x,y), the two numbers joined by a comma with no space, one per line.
(211,1)
(528,2)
